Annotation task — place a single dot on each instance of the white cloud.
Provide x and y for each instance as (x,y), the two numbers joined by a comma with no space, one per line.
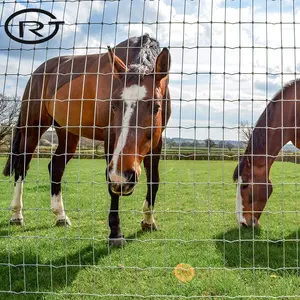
(77,11)
(232,48)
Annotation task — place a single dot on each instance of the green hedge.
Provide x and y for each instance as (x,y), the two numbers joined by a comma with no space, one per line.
(186,156)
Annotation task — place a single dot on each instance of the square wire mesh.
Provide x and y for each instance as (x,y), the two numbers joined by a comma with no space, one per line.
(228,60)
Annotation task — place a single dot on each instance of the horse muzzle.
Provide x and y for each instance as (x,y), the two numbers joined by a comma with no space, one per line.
(249,222)
(122,185)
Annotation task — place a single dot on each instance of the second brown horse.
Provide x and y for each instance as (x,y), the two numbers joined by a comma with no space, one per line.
(277,125)
(121,97)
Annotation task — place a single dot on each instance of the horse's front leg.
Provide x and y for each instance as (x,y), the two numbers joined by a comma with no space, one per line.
(116,238)
(151,163)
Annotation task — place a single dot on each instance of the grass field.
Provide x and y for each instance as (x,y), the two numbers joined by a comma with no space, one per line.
(195,211)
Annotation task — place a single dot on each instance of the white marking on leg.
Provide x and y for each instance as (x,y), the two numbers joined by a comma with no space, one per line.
(239,203)
(148,213)
(130,96)
(17,202)
(57,206)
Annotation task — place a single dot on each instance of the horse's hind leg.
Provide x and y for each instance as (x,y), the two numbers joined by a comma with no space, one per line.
(67,143)
(29,138)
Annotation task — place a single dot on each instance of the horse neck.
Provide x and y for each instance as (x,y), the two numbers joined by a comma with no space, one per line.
(268,137)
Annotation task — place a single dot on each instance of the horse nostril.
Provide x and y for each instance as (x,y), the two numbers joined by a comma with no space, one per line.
(131,176)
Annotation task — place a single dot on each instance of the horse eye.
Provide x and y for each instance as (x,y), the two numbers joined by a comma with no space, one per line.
(156,108)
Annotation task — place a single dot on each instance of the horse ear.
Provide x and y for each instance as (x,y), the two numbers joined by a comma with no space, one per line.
(119,68)
(248,162)
(162,66)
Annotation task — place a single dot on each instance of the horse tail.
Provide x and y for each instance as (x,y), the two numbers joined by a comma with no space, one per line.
(13,157)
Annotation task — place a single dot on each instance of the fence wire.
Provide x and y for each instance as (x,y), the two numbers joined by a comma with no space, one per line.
(233,85)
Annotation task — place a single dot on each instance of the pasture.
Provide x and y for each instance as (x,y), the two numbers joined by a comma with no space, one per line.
(195,211)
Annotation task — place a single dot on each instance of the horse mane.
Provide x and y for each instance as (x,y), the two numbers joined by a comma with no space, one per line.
(256,143)
(144,51)
(238,169)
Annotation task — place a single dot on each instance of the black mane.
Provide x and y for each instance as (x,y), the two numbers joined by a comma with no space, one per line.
(257,141)
(239,169)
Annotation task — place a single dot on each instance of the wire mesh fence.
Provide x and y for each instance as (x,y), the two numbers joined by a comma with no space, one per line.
(159,134)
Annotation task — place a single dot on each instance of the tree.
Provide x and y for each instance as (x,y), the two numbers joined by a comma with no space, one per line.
(221,144)
(99,147)
(86,143)
(9,112)
(246,132)
(199,144)
(229,146)
(209,143)
(172,144)
(185,144)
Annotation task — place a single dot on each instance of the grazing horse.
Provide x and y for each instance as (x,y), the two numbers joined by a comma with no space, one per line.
(277,125)
(120,97)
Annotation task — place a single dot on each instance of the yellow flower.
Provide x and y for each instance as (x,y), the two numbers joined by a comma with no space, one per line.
(184,272)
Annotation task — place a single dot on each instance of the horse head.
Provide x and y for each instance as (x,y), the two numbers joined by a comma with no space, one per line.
(254,188)
(138,116)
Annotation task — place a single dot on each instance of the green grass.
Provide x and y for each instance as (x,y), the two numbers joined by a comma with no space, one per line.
(201,150)
(195,211)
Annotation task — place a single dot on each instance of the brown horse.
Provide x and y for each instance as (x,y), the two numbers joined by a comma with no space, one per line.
(277,125)
(121,98)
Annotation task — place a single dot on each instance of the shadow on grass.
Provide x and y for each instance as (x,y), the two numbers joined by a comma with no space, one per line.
(31,271)
(247,249)
(6,228)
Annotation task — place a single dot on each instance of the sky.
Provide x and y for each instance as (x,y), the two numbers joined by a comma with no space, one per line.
(229,57)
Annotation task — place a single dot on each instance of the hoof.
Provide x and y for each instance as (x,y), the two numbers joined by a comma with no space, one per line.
(117,242)
(17,222)
(148,227)
(63,222)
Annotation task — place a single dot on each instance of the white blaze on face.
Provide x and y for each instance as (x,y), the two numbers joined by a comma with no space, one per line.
(130,97)
(239,203)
